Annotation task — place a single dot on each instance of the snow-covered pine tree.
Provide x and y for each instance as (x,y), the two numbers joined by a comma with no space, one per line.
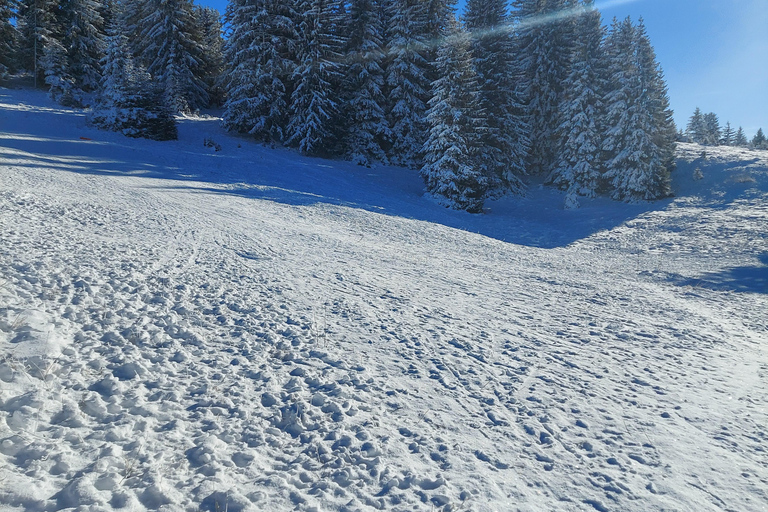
(580,160)
(128,101)
(8,36)
(504,135)
(740,139)
(655,96)
(637,146)
(367,130)
(117,77)
(712,130)
(259,58)
(697,128)
(728,135)
(38,26)
(313,103)
(83,41)
(341,28)
(438,14)
(62,84)
(451,171)
(209,31)
(108,9)
(759,141)
(171,52)
(407,80)
(544,58)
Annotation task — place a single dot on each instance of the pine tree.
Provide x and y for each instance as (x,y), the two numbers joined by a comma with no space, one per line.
(259,55)
(209,31)
(712,130)
(656,98)
(39,27)
(62,84)
(505,131)
(108,9)
(697,128)
(83,41)
(740,139)
(8,36)
(436,24)
(728,135)
(759,141)
(580,165)
(451,170)
(128,101)
(544,53)
(638,142)
(407,80)
(170,51)
(367,132)
(313,105)
(118,73)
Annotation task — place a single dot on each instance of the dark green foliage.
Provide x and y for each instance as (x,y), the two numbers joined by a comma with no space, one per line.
(8,37)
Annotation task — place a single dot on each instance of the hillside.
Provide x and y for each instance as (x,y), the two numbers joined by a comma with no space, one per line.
(251,330)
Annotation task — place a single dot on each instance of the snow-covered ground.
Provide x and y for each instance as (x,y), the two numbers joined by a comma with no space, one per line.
(251,330)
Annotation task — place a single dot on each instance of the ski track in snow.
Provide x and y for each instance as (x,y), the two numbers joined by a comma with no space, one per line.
(179,332)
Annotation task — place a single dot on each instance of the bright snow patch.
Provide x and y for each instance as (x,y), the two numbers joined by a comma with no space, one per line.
(249,330)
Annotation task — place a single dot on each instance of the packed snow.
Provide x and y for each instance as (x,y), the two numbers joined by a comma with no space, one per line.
(247,329)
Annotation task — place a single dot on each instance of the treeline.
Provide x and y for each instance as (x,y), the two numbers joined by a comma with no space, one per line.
(137,63)
(705,129)
(541,88)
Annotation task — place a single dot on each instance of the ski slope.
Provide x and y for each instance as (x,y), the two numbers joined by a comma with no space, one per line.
(186,329)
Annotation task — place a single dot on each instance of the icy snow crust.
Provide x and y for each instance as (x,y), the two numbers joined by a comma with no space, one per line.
(250,330)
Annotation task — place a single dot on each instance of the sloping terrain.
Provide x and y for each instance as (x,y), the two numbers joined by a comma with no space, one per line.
(248,330)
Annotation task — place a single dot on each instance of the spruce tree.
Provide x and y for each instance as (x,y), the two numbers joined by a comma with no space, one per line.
(544,58)
(638,143)
(39,27)
(259,57)
(728,135)
(655,96)
(209,32)
(8,37)
(407,79)
(740,139)
(368,133)
(83,41)
(128,101)
(759,141)
(313,105)
(118,74)
(61,83)
(504,135)
(712,130)
(580,161)
(697,128)
(170,50)
(451,171)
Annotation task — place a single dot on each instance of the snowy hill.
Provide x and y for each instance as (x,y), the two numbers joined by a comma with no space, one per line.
(251,330)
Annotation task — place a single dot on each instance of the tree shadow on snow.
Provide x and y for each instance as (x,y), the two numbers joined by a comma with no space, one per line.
(753,279)
(243,167)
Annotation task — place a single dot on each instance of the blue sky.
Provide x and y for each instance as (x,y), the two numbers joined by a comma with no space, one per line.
(714,54)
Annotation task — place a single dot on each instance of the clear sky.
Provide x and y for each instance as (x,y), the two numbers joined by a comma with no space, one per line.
(714,54)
